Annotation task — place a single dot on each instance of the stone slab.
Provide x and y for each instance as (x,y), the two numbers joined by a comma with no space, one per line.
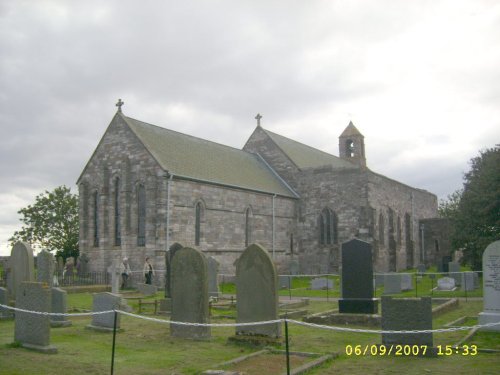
(321,283)
(491,287)
(392,283)
(105,302)
(147,289)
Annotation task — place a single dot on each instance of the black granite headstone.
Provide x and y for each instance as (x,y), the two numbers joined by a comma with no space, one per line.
(445,261)
(357,279)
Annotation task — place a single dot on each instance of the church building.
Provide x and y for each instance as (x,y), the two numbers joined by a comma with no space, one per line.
(146,187)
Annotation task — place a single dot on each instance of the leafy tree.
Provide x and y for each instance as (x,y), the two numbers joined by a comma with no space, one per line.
(51,222)
(475,211)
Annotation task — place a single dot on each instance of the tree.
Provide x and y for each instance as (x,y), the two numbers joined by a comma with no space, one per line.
(51,222)
(475,211)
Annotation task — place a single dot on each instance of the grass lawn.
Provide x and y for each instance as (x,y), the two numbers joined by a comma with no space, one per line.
(145,347)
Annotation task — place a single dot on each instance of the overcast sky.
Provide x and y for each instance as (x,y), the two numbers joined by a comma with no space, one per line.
(420,80)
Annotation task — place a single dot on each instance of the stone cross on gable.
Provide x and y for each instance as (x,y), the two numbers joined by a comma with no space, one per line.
(119,105)
(258,117)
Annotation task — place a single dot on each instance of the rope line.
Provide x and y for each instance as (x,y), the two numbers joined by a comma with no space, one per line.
(313,325)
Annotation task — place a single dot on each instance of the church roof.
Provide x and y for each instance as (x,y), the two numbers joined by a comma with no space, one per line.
(306,156)
(190,157)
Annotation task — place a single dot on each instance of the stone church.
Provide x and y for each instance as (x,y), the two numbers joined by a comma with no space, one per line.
(146,187)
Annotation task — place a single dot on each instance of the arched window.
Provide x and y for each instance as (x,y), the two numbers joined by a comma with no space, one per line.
(141,216)
(248,227)
(96,218)
(118,230)
(197,224)
(327,227)
(349,147)
(381,229)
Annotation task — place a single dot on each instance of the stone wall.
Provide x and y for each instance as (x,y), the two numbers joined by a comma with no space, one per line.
(436,239)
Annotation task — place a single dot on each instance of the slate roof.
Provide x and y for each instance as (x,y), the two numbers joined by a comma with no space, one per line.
(306,156)
(199,159)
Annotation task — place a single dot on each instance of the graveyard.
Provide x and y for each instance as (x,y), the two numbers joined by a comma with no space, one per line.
(253,322)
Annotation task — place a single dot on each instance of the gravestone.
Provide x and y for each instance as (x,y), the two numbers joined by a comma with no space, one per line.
(491,287)
(467,281)
(421,268)
(446,283)
(256,293)
(115,274)
(189,294)
(45,267)
(379,279)
(32,331)
(284,281)
(60,265)
(321,283)
(105,302)
(83,265)
(5,313)
(454,272)
(445,262)
(392,283)
(294,267)
(169,256)
(406,281)
(476,280)
(213,271)
(59,305)
(147,289)
(405,314)
(357,279)
(21,267)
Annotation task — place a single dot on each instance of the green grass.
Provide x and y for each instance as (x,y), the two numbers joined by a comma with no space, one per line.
(145,347)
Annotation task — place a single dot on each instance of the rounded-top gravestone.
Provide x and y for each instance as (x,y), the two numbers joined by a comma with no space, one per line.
(21,266)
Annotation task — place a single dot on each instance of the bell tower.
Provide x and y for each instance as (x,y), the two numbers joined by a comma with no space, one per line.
(352,145)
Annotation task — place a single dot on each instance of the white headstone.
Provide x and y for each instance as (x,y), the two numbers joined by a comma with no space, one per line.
(491,287)
(446,283)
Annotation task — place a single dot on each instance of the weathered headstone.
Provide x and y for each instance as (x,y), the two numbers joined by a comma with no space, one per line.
(169,256)
(83,264)
(379,279)
(60,265)
(294,267)
(105,302)
(477,281)
(213,271)
(421,268)
(32,331)
(454,272)
(445,262)
(467,281)
(406,314)
(5,313)
(189,290)
(406,281)
(357,278)
(60,306)
(491,287)
(392,283)
(147,289)
(321,283)
(446,283)
(45,267)
(256,292)
(284,281)
(21,267)
(115,274)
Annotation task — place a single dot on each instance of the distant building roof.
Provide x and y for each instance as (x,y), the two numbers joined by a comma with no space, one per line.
(199,159)
(306,156)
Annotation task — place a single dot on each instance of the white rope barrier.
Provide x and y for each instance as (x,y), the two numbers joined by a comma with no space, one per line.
(312,325)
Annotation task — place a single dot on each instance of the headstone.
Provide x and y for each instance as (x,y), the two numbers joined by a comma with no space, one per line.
(445,261)
(407,314)
(454,272)
(491,287)
(467,281)
(284,281)
(147,289)
(213,271)
(189,290)
(115,274)
(105,302)
(169,256)
(406,281)
(60,265)
(357,279)
(83,265)
(379,279)
(5,313)
(45,267)
(421,268)
(21,267)
(392,283)
(256,292)
(59,305)
(294,267)
(446,283)
(476,280)
(32,331)
(321,283)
